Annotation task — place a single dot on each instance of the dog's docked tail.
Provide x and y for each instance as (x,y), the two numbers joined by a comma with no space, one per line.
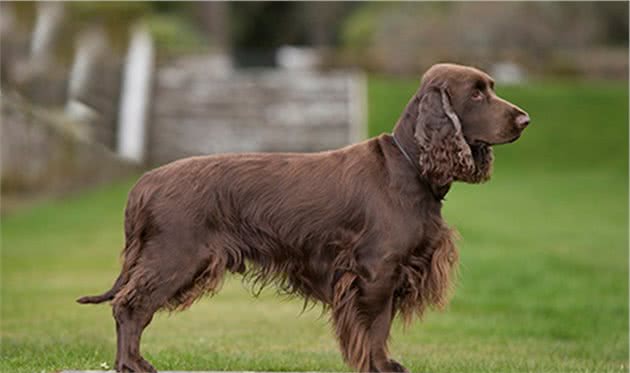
(108,295)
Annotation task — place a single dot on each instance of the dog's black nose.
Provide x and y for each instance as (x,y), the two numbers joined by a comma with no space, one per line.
(522,121)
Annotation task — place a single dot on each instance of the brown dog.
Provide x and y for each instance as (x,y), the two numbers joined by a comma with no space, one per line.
(357,229)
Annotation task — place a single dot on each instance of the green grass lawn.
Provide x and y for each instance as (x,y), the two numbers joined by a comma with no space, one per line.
(543,281)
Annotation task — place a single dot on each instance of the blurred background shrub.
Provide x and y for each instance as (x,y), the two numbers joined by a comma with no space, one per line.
(550,38)
(395,37)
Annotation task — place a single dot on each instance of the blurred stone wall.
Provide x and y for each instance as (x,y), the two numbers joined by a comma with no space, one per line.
(199,108)
(43,152)
(45,77)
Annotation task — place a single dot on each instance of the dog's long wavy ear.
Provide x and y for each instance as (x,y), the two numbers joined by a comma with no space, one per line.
(444,154)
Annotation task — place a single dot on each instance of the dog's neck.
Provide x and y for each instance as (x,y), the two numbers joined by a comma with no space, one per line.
(404,140)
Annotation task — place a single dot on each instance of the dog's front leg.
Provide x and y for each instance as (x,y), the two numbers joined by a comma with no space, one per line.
(362,313)
(379,334)
(350,325)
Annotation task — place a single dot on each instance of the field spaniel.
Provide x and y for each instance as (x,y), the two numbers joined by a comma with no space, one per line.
(358,229)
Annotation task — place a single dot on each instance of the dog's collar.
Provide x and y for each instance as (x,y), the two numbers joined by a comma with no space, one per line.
(404,153)
(439,192)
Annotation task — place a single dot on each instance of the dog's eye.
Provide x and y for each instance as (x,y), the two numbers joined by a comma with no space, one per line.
(477,95)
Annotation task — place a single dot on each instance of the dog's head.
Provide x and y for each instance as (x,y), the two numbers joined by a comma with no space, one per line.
(459,118)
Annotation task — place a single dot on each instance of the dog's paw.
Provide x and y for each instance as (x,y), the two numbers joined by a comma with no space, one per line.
(388,366)
(146,366)
(395,366)
(136,366)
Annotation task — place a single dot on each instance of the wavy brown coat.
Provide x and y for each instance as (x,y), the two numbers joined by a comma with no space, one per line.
(358,229)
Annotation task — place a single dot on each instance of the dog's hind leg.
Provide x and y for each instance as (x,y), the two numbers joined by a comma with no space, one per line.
(133,310)
(169,274)
(130,323)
